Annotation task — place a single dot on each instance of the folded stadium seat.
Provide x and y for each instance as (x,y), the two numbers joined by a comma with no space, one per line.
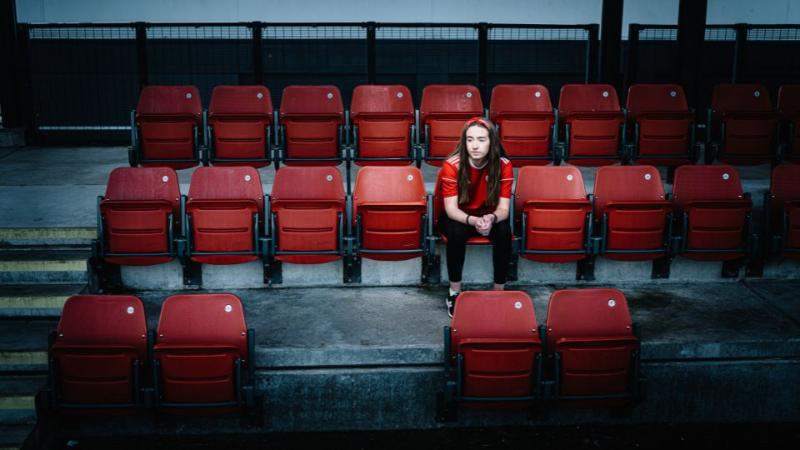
(224,215)
(307,215)
(311,119)
(555,214)
(443,111)
(595,347)
(743,125)
(632,213)
(593,124)
(239,126)
(783,211)
(98,354)
(525,119)
(662,125)
(712,212)
(389,213)
(202,353)
(383,125)
(492,363)
(139,216)
(165,127)
(789,109)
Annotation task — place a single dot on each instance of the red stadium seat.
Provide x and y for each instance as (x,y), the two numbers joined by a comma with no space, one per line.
(496,360)
(443,111)
(165,128)
(308,208)
(744,124)
(552,206)
(662,125)
(592,124)
(224,214)
(713,212)
(525,120)
(389,207)
(789,109)
(138,216)
(383,125)
(632,212)
(311,120)
(202,350)
(239,124)
(99,354)
(783,202)
(590,333)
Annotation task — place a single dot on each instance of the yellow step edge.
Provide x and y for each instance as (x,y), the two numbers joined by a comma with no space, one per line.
(33,302)
(25,402)
(48,233)
(76,265)
(22,358)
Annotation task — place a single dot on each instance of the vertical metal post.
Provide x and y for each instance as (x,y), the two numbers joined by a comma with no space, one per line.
(739,54)
(141,53)
(611,43)
(371,53)
(691,36)
(25,83)
(9,87)
(592,47)
(633,54)
(483,59)
(258,63)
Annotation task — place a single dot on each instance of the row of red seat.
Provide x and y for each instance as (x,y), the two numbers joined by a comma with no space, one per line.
(588,128)
(587,351)
(200,355)
(226,219)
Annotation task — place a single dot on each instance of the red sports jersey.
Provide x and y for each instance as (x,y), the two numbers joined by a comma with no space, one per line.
(478,184)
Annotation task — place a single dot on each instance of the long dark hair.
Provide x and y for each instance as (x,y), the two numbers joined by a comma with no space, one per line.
(492,163)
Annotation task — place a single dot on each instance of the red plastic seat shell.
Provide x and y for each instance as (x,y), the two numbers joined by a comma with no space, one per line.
(390,202)
(311,116)
(664,120)
(238,117)
(499,354)
(198,338)
(167,117)
(97,340)
(525,116)
(593,113)
(751,122)
(785,198)
(384,115)
(307,202)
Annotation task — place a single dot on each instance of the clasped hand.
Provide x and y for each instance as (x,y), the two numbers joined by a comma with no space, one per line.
(484,224)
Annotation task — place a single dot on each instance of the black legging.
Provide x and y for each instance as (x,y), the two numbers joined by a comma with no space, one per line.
(457,235)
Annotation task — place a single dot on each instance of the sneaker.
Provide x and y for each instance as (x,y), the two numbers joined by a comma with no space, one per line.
(450,302)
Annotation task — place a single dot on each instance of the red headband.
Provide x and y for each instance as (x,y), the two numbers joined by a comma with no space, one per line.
(479,120)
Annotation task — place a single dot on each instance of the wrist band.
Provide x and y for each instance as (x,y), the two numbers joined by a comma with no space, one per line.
(467,219)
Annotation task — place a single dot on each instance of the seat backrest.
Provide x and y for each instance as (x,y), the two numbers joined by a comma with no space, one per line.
(586,314)
(548,183)
(732,98)
(705,183)
(626,184)
(512,313)
(519,100)
(402,186)
(381,100)
(321,101)
(450,101)
(307,183)
(587,98)
(144,184)
(784,185)
(227,183)
(103,321)
(655,98)
(200,321)
(165,101)
(240,101)
(789,100)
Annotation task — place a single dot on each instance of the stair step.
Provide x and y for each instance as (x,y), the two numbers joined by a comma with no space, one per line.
(17,398)
(13,436)
(47,236)
(45,268)
(23,301)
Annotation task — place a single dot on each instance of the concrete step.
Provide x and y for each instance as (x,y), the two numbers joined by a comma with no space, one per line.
(34,300)
(81,236)
(13,436)
(17,393)
(23,345)
(34,265)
